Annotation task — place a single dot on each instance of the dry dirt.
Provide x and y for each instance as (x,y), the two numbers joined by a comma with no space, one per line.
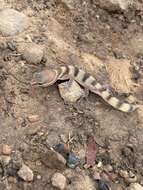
(101,42)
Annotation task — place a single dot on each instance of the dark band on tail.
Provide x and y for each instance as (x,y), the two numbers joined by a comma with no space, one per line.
(108,97)
(76,71)
(85,77)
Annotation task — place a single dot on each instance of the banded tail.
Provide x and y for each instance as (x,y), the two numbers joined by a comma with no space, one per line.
(89,82)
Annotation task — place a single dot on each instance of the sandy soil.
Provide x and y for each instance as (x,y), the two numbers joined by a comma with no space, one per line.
(103,43)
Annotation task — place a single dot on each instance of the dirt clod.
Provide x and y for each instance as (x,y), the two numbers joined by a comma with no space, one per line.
(120,75)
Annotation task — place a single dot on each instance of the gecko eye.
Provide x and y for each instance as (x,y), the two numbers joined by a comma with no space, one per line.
(37,77)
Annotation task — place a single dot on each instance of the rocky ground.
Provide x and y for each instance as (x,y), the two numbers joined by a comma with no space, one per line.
(47,143)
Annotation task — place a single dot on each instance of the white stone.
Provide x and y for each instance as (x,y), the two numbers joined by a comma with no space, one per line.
(71,92)
(59,181)
(12,22)
(26,173)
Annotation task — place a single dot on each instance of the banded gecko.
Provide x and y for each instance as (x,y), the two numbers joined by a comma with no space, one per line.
(48,77)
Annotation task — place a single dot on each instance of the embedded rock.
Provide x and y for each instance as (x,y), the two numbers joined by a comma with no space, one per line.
(12,22)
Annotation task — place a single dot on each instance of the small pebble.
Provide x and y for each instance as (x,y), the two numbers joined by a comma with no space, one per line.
(100,165)
(39,177)
(12,22)
(33,53)
(59,181)
(26,173)
(6,149)
(33,118)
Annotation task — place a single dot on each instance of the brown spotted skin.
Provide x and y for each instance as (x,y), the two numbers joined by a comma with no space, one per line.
(90,83)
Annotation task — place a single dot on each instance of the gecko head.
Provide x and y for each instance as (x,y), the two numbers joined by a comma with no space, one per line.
(44,78)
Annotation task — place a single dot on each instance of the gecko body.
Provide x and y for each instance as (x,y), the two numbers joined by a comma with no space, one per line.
(48,77)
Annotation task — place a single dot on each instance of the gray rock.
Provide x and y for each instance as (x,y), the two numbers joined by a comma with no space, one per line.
(25,173)
(33,53)
(135,186)
(115,5)
(59,181)
(12,22)
(53,160)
